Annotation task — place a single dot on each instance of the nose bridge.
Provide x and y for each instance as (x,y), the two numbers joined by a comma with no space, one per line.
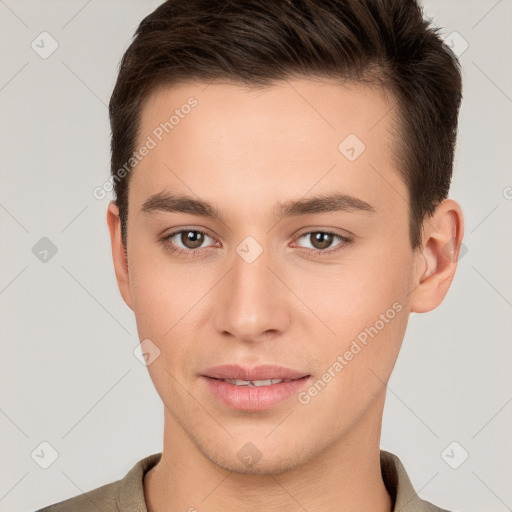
(252,303)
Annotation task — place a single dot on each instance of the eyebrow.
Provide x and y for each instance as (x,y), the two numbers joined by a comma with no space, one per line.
(335,202)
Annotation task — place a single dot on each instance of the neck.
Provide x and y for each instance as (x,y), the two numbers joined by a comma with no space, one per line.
(344,477)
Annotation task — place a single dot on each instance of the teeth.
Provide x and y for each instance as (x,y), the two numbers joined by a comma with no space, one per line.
(255,383)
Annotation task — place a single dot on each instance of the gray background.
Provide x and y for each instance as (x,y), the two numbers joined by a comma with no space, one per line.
(68,373)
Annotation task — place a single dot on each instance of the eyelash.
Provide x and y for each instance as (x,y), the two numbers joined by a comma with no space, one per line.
(192,252)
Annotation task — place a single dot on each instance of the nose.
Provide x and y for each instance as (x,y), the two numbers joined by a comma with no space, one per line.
(252,302)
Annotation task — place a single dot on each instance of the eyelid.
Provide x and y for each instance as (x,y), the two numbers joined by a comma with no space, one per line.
(319,229)
(344,240)
(166,238)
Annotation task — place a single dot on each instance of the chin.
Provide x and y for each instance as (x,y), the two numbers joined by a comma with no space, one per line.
(258,457)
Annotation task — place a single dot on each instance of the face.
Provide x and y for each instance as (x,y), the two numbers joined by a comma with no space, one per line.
(321,287)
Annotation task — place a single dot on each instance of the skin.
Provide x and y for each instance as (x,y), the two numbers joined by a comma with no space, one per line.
(244,150)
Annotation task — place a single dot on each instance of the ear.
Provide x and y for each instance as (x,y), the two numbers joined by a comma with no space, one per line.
(436,259)
(119,254)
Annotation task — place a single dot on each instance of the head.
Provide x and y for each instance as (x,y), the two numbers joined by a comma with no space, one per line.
(266,110)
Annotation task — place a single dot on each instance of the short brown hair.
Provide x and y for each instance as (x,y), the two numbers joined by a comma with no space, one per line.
(258,42)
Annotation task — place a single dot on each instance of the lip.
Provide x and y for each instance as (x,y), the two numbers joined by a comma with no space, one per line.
(261,372)
(258,398)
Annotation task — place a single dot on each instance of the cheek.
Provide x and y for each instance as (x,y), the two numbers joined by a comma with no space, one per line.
(381,304)
(366,306)
(351,296)
(159,291)
(166,301)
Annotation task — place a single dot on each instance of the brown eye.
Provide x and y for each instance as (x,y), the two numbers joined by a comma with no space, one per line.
(186,241)
(192,239)
(321,240)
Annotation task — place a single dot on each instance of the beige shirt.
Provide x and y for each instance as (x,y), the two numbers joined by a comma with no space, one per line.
(127,494)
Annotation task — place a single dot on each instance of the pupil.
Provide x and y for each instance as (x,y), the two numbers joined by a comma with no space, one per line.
(193,237)
(323,239)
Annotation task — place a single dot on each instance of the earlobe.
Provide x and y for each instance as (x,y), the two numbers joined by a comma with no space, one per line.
(119,254)
(437,258)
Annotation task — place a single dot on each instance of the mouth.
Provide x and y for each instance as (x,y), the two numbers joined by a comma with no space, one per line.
(253,389)
(257,383)
(262,375)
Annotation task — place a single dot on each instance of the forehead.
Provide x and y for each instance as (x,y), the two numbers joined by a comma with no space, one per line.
(322,104)
(239,144)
